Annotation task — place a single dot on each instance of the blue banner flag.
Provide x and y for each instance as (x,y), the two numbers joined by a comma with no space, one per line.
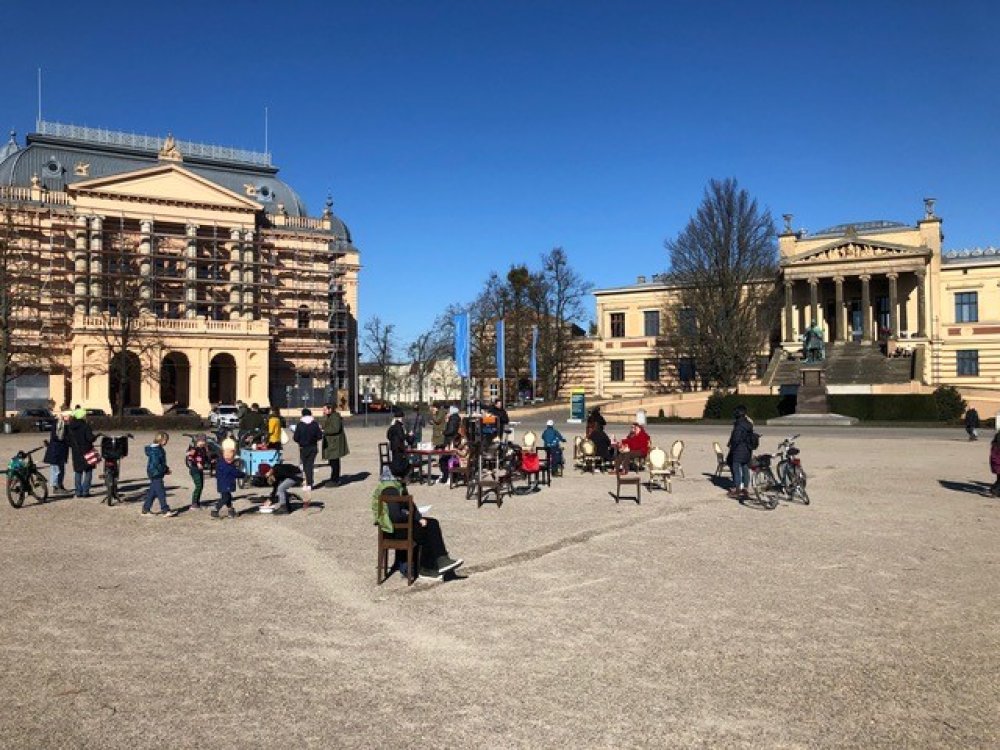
(462,344)
(501,360)
(534,356)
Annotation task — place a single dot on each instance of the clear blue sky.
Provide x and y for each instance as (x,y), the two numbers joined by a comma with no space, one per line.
(460,136)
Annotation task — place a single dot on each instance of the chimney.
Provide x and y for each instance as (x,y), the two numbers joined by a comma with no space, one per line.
(641,280)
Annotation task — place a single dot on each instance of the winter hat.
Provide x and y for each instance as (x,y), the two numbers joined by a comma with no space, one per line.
(550,423)
(452,410)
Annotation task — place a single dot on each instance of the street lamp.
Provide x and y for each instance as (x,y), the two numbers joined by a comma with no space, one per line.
(367,398)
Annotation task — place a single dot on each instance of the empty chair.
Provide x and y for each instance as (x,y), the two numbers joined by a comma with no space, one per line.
(626,477)
(588,455)
(659,470)
(720,456)
(577,453)
(530,439)
(676,449)
(383,457)
(402,540)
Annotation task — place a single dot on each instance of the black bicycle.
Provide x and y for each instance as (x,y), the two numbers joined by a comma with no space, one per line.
(24,478)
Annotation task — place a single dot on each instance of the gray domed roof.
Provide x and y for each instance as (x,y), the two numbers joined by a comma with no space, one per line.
(10,148)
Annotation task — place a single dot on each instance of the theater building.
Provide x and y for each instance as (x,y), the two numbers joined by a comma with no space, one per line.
(196,264)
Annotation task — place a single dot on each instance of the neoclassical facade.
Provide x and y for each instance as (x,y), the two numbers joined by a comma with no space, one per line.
(194,263)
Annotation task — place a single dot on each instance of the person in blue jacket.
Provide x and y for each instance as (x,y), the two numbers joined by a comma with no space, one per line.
(227,471)
(156,470)
(552,439)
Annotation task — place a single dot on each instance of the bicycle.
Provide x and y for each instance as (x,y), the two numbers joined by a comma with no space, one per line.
(763,482)
(113,450)
(23,477)
(791,475)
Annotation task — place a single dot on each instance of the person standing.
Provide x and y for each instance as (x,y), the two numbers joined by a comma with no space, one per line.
(307,435)
(274,429)
(57,452)
(995,464)
(437,427)
(740,452)
(197,459)
(972,423)
(226,474)
(156,470)
(417,427)
(334,441)
(449,435)
(399,461)
(81,442)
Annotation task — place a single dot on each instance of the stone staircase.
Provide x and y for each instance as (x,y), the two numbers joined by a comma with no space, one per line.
(847,363)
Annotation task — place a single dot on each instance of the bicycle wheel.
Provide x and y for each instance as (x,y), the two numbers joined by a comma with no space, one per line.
(111,493)
(761,485)
(39,487)
(15,491)
(798,488)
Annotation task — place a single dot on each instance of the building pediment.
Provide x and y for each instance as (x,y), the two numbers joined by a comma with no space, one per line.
(165,183)
(855,249)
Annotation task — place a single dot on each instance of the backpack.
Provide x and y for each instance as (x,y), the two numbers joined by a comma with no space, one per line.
(753,441)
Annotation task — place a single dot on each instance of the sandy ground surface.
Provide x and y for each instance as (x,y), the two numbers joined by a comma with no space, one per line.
(870,618)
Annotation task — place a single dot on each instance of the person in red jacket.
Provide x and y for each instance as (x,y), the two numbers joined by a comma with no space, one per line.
(638,441)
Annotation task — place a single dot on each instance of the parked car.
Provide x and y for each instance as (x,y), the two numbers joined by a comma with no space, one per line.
(41,419)
(377,405)
(184,412)
(137,411)
(224,416)
(96,413)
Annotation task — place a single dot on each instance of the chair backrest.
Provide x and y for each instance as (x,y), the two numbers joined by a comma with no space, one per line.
(383,452)
(676,449)
(390,498)
(718,448)
(621,465)
(530,439)
(657,458)
(587,448)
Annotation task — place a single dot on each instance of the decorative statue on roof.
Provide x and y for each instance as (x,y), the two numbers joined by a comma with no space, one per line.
(169,151)
(813,348)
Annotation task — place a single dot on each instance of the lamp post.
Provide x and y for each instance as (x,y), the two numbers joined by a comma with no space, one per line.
(366,399)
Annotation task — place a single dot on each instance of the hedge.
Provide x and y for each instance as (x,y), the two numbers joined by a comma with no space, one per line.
(886,408)
(721,406)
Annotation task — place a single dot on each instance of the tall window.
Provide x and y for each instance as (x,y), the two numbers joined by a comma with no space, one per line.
(967,362)
(651,322)
(617,325)
(687,322)
(617,370)
(882,314)
(651,370)
(966,307)
(303,321)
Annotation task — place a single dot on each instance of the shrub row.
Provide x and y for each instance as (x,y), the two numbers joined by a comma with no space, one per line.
(721,406)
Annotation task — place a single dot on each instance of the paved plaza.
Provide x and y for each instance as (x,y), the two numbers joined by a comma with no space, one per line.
(870,618)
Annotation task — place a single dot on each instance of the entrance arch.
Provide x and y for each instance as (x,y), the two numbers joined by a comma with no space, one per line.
(222,379)
(175,379)
(125,379)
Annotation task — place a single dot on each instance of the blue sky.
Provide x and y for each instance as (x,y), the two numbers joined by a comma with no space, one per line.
(459,137)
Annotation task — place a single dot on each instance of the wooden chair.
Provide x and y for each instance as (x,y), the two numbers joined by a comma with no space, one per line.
(530,440)
(588,455)
(676,449)
(624,476)
(388,542)
(577,453)
(383,457)
(545,465)
(659,470)
(720,456)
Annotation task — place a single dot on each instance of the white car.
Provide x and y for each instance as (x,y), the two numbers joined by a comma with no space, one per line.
(224,416)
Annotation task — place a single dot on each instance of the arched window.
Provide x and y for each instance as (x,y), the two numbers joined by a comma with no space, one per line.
(303,317)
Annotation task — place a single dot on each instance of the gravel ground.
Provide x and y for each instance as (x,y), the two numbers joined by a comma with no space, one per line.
(866,619)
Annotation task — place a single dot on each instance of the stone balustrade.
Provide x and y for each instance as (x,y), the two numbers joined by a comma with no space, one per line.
(178,325)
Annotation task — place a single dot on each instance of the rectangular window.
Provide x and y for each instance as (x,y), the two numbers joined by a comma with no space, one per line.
(967,362)
(617,370)
(966,307)
(617,325)
(651,370)
(651,322)
(687,323)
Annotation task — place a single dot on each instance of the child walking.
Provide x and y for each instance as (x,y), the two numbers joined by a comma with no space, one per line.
(156,470)
(226,474)
(197,459)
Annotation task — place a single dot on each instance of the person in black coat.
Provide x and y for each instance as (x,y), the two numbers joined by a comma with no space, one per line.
(57,452)
(451,428)
(740,452)
(602,443)
(595,419)
(972,423)
(398,443)
(81,441)
(308,436)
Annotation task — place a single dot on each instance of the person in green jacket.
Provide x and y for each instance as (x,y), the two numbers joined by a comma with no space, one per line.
(334,442)
(437,422)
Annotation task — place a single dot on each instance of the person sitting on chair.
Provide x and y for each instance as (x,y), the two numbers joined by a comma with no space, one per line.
(552,440)
(432,552)
(637,441)
(282,477)
(602,443)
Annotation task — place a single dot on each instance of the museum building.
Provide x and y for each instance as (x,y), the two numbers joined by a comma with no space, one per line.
(898,311)
(195,263)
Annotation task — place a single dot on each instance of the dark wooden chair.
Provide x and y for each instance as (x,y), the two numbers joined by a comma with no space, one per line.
(624,476)
(405,543)
(383,457)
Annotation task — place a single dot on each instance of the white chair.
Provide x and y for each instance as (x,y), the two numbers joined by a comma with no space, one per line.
(659,470)
(676,449)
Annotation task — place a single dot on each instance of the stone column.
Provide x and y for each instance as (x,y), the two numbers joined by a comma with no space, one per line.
(80,267)
(789,327)
(921,303)
(191,272)
(96,244)
(866,308)
(235,277)
(146,263)
(838,308)
(813,301)
(893,305)
(249,290)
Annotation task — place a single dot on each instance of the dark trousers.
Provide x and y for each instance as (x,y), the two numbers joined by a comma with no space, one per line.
(158,491)
(431,542)
(443,466)
(225,499)
(198,478)
(334,469)
(307,455)
(995,489)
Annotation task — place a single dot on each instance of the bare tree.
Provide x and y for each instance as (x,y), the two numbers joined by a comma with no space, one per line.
(559,350)
(724,266)
(380,345)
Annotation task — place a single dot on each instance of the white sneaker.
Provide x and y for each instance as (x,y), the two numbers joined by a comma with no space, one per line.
(266,509)
(442,480)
